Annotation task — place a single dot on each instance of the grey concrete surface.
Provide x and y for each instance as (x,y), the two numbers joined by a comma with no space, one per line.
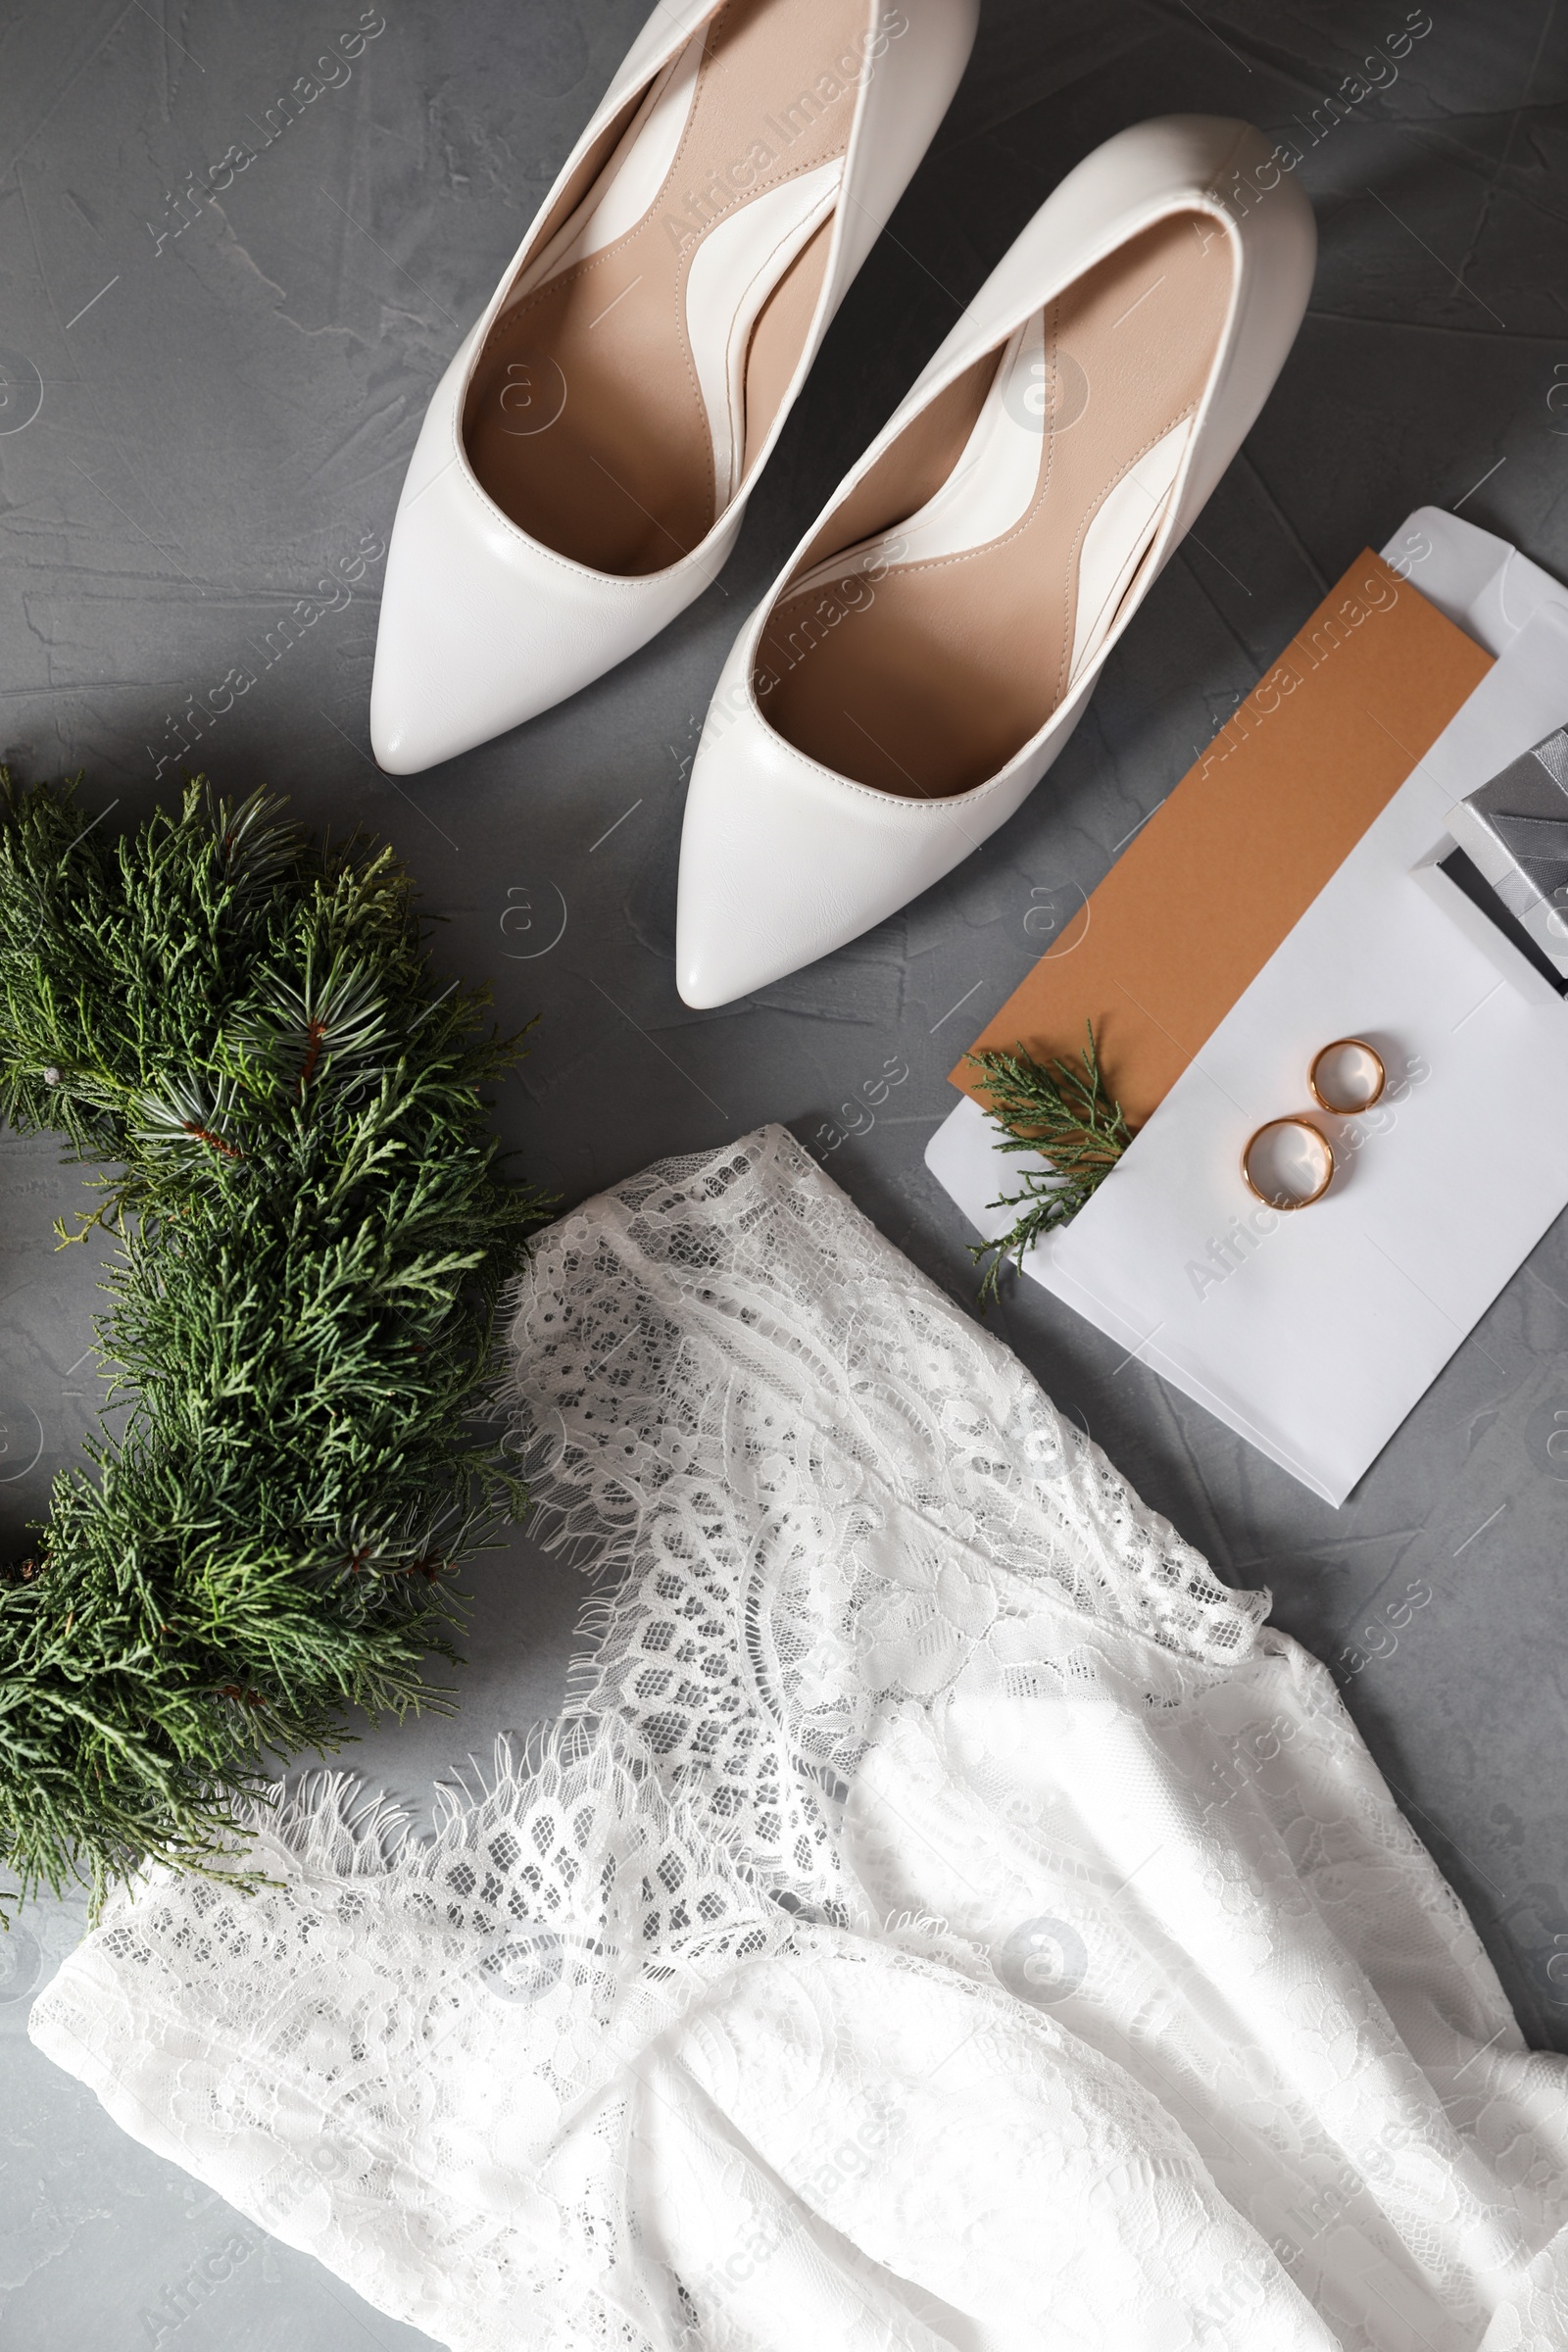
(208,403)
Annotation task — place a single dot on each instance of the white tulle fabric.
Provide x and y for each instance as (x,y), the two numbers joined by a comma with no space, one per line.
(950,1920)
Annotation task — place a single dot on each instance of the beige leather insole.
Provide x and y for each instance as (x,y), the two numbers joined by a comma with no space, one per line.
(927,680)
(623,477)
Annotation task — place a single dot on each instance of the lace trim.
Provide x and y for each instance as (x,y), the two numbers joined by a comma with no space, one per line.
(831,1493)
(639,1310)
(570,1888)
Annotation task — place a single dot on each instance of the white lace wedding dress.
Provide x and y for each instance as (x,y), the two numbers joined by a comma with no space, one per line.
(950,1919)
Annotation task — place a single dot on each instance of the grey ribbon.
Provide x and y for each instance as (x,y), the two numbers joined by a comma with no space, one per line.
(1537,846)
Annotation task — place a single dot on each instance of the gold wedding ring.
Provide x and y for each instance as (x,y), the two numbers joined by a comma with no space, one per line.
(1275,1195)
(1368,1095)
(1280,1140)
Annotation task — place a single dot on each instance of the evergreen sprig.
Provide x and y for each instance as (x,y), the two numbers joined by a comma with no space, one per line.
(1066,1115)
(311,1232)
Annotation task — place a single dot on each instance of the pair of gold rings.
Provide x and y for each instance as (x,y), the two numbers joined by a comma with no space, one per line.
(1289,1164)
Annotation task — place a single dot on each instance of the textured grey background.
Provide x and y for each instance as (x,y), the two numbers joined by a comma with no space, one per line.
(207,406)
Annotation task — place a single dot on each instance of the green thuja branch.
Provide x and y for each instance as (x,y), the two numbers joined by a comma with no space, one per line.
(309,1232)
(1063,1114)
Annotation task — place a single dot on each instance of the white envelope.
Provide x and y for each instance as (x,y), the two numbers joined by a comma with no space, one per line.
(1313,1334)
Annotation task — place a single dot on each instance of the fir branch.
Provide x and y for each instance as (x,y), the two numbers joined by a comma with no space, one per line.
(311,1232)
(186,1115)
(254,842)
(1064,1114)
(334,1024)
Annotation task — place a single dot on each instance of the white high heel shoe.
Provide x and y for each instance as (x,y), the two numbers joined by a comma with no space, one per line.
(934,640)
(585,462)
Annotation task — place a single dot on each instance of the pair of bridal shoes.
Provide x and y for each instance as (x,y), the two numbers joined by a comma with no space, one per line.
(925,653)
(583,470)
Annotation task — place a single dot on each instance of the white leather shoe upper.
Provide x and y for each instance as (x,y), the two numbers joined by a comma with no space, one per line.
(782,858)
(482,625)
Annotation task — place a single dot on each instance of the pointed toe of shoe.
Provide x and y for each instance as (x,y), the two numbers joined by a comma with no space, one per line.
(782,861)
(727,939)
(465,649)
(482,627)
(749,906)
(706,975)
(410,728)
(735,927)
(721,953)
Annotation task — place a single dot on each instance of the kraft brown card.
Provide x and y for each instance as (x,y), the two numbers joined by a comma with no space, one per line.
(1192,912)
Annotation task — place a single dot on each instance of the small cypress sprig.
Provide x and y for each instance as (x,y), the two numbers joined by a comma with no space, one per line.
(310,1231)
(1064,1115)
